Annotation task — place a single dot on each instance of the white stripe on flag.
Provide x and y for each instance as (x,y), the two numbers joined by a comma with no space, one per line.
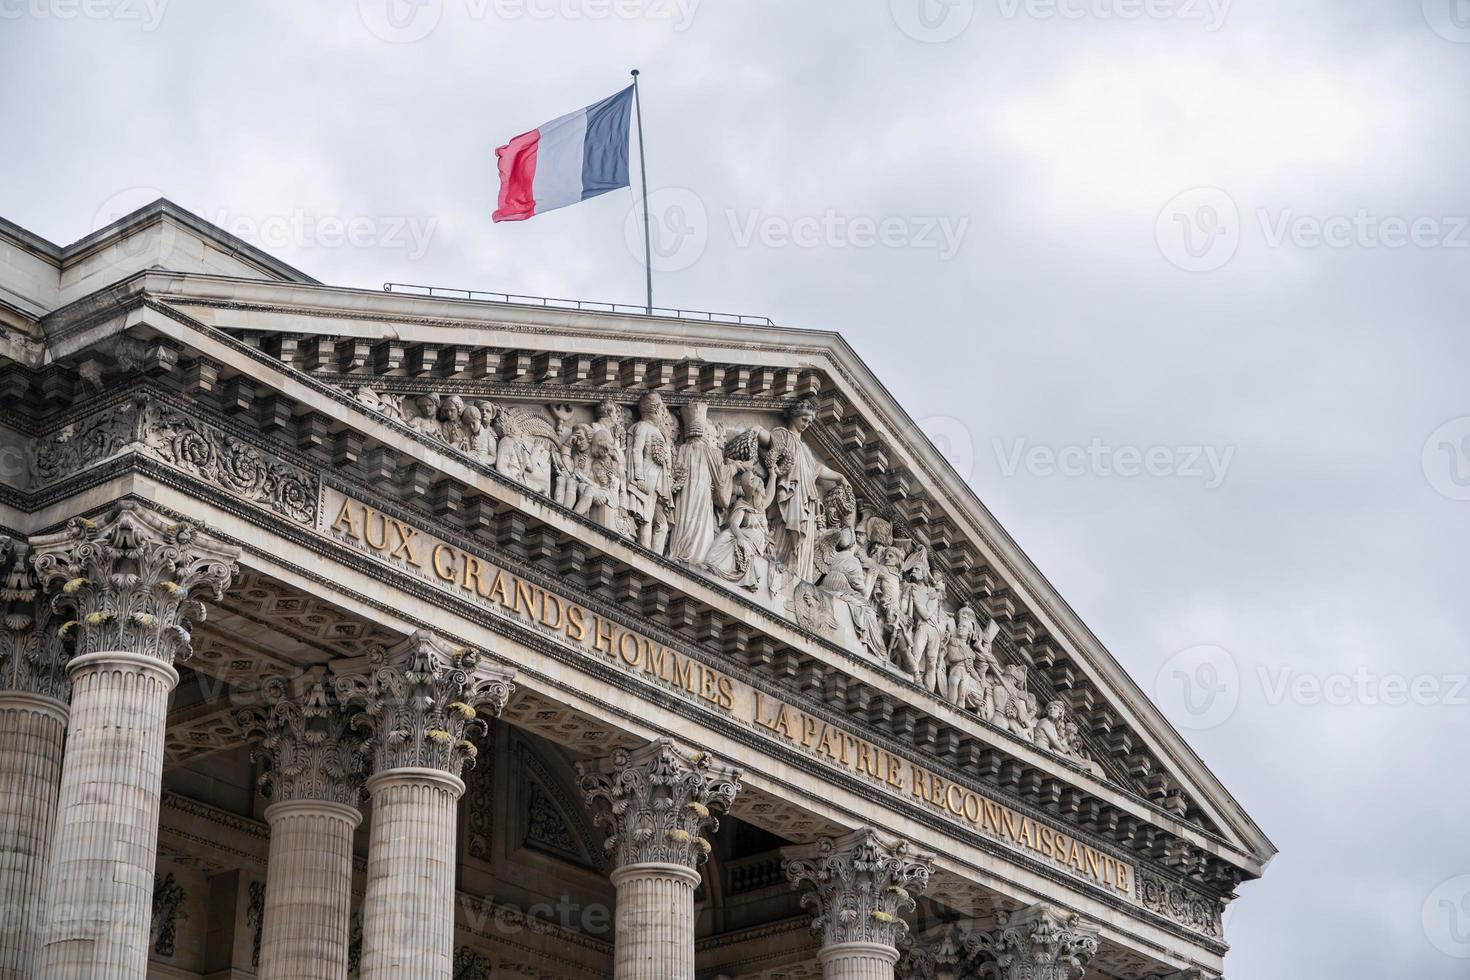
(559,155)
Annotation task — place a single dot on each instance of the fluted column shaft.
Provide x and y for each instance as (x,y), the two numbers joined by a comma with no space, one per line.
(308,895)
(654,939)
(858,961)
(408,911)
(99,885)
(32,733)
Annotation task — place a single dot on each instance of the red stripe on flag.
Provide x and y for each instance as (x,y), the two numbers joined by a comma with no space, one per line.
(517,162)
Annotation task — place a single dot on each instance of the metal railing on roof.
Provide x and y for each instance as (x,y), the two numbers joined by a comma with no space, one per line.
(590,306)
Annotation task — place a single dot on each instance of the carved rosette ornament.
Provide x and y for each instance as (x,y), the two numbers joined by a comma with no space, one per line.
(309,746)
(421,701)
(658,802)
(859,886)
(129,581)
(33,657)
(1038,943)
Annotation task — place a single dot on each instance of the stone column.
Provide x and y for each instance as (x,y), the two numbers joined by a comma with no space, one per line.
(33,713)
(127,584)
(314,779)
(1037,943)
(859,886)
(657,803)
(421,702)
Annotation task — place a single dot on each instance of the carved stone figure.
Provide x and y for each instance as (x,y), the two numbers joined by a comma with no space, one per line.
(478,417)
(589,478)
(794,511)
(425,418)
(741,553)
(701,488)
(885,564)
(922,609)
(651,471)
(1056,733)
(523,451)
(845,579)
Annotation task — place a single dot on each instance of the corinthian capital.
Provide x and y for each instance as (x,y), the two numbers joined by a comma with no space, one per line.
(309,746)
(941,957)
(32,657)
(658,802)
(422,703)
(1038,943)
(860,885)
(129,581)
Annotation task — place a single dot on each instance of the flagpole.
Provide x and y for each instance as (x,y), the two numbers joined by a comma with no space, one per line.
(643,167)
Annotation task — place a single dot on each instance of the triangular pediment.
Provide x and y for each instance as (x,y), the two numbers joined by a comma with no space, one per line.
(766,463)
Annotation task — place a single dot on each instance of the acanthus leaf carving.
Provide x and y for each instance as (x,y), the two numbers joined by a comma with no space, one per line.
(130,580)
(421,703)
(658,802)
(1038,943)
(859,885)
(309,744)
(33,657)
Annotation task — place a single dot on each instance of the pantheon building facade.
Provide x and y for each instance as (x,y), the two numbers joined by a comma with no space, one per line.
(358,633)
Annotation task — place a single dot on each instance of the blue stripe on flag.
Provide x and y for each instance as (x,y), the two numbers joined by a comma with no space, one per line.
(605,154)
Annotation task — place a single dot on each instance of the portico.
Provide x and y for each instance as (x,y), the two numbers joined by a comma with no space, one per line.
(316,666)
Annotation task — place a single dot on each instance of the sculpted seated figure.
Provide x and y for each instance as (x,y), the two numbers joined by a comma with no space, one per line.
(741,552)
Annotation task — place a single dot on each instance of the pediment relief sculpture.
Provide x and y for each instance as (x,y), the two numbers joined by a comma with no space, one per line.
(755,508)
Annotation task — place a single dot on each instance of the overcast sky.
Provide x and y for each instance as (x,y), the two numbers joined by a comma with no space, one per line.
(1181,286)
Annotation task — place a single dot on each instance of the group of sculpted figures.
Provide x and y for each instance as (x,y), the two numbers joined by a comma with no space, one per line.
(756,509)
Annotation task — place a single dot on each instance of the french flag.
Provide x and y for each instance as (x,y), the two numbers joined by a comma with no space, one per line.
(573,157)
